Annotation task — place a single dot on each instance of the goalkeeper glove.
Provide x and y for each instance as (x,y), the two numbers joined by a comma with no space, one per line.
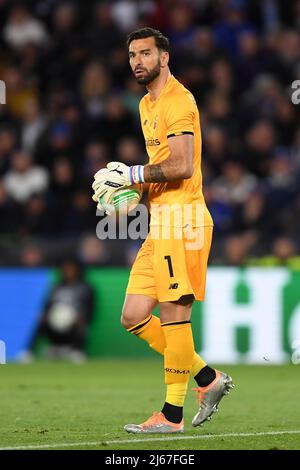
(115,176)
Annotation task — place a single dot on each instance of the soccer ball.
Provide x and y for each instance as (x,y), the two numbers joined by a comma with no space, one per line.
(61,317)
(122,200)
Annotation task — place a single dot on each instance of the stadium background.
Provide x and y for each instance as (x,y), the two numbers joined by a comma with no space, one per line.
(72,106)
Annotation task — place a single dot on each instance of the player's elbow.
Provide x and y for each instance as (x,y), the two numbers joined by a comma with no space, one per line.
(188,174)
(179,168)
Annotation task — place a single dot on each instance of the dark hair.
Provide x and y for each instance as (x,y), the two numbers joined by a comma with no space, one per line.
(161,41)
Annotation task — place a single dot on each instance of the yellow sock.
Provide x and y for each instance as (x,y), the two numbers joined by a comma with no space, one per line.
(178,355)
(150,330)
(176,393)
(198,364)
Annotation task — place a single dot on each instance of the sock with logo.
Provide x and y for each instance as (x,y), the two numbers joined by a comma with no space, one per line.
(178,359)
(150,330)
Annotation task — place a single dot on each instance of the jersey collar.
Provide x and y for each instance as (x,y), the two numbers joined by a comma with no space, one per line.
(170,81)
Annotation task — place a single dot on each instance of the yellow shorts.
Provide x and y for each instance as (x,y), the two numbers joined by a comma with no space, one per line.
(167,269)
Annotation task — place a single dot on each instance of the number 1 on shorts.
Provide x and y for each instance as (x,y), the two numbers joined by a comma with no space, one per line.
(168,258)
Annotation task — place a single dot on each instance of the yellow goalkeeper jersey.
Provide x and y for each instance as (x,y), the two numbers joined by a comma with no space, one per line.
(173,113)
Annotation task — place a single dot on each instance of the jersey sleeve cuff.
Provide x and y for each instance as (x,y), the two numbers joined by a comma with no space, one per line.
(174,134)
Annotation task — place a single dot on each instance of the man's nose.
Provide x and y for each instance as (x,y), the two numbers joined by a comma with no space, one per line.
(137,62)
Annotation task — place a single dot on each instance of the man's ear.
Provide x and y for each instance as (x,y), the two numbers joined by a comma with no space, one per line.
(164,58)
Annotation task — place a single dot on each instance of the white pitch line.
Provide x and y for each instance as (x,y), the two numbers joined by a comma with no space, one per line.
(151,439)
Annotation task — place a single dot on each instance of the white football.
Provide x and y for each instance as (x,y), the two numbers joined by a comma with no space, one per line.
(122,200)
(61,316)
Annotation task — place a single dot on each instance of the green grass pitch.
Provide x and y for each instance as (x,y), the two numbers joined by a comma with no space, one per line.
(67,406)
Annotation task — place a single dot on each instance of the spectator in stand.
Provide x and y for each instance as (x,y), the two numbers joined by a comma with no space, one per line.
(96,156)
(22,28)
(236,251)
(260,144)
(235,185)
(18,91)
(129,151)
(93,251)
(34,124)
(32,256)
(24,178)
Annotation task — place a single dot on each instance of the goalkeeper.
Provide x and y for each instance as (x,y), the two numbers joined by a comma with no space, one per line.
(168,270)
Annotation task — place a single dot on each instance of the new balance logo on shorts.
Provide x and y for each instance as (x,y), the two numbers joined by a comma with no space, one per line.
(177,371)
(174,286)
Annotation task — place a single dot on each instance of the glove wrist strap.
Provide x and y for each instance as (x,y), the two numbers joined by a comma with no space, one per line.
(136,174)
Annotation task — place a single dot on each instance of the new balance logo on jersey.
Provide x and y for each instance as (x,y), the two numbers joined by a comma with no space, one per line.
(174,286)
(177,371)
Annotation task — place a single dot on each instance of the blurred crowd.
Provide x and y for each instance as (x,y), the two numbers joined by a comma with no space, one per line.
(72,106)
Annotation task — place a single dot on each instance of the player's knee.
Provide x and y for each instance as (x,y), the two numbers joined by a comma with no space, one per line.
(127,321)
(123,321)
(130,318)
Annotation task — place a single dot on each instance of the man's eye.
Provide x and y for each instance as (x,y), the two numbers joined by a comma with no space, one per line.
(146,53)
